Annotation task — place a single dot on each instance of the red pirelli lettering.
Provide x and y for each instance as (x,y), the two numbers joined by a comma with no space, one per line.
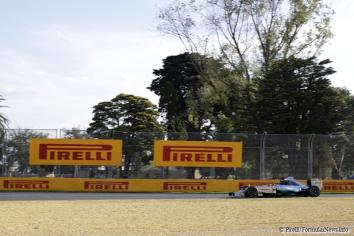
(76,152)
(185,186)
(26,184)
(106,185)
(197,154)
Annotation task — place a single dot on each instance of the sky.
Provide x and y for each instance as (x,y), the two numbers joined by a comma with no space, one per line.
(59,58)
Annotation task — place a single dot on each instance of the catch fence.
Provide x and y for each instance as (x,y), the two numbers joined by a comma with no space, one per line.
(265,156)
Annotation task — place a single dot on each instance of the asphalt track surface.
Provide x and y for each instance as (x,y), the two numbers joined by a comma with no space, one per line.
(32,196)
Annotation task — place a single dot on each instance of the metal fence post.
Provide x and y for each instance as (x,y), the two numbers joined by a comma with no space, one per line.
(162,172)
(5,159)
(76,171)
(262,156)
(212,172)
(310,156)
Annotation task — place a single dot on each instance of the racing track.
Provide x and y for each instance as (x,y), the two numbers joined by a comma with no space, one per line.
(30,196)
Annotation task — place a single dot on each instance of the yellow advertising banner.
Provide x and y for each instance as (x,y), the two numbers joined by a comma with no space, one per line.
(115,185)
(92,152)
(197,154)
(149,185)
(338,186)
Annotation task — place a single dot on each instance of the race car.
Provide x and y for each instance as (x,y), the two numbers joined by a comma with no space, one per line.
(286,187)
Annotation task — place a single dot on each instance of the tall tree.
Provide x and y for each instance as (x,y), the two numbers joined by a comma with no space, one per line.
(249,33)
(133,119)
(348,123)
(296,97)
(127,113)
(177,84)
(196,93)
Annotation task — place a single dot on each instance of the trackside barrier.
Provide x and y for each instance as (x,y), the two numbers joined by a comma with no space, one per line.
(148,185)
(115,185)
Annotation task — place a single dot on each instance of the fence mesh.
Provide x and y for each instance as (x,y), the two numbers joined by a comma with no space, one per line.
(265,156)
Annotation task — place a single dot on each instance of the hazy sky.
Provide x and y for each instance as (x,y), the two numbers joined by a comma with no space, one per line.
(58,58)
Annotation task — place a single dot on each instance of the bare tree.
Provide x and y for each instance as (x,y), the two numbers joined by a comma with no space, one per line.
(249,34)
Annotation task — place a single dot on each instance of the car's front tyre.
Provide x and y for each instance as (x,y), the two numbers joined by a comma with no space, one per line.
(251,192)
(314,191)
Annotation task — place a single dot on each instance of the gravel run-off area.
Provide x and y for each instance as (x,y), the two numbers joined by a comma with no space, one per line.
(263,216)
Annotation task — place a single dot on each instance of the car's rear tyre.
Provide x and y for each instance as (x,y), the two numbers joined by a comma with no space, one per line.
(231,194)
(251,192)
(314,191)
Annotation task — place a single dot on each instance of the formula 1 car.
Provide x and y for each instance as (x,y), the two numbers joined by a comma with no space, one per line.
(286,187)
